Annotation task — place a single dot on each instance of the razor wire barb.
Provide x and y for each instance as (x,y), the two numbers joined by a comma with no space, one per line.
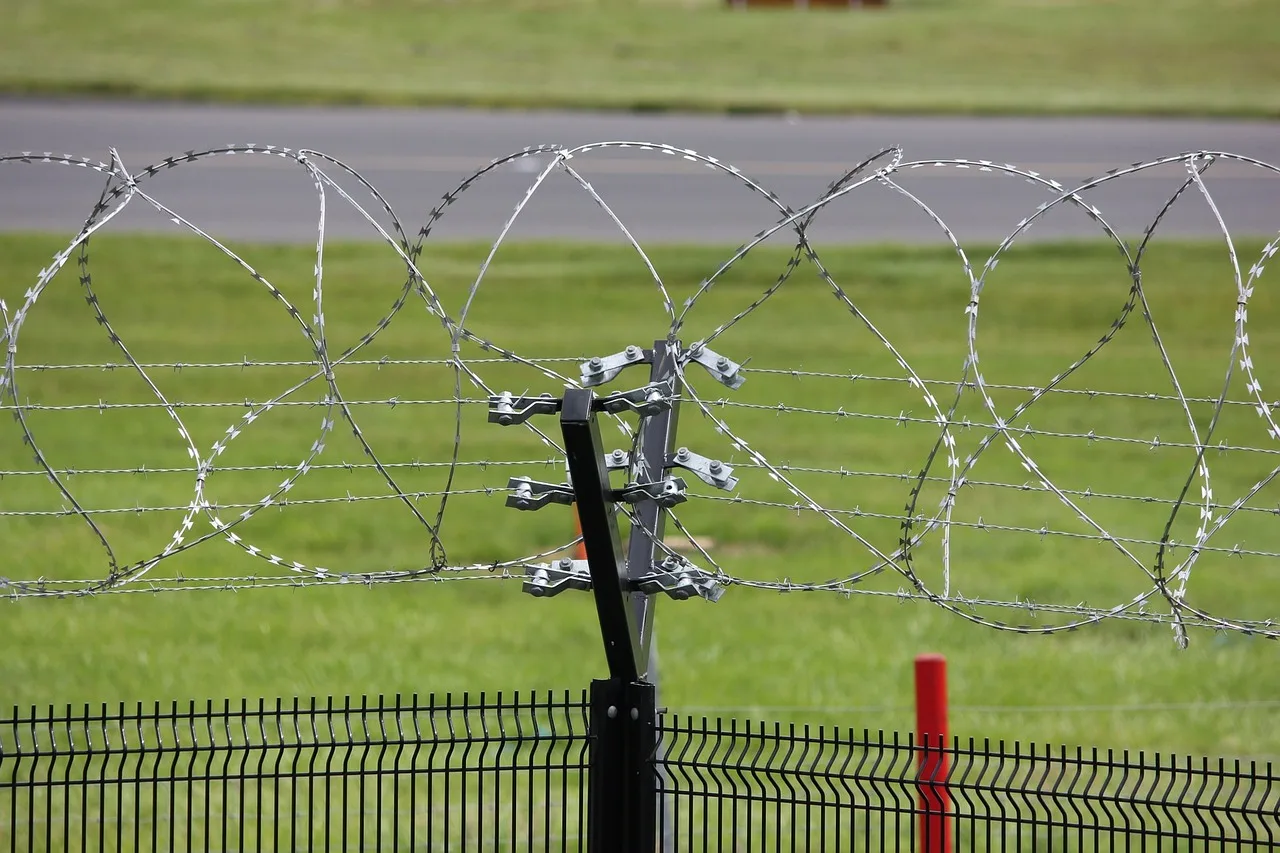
(945,468)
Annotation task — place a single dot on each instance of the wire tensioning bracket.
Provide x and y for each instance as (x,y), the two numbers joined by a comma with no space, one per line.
(681,580)
(542,581)
(674,577)
(601,369)
(505,409)
(668,491)
(532,495)
(648,400)
(713,472)
(722,369)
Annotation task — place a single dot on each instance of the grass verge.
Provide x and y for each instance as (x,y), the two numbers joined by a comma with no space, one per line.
(941,56)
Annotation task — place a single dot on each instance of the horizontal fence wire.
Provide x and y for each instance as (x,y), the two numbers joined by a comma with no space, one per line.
(495,772)
(453,772)
(730,785)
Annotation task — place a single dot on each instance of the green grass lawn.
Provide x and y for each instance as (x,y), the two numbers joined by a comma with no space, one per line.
(1183,57)
(759,653)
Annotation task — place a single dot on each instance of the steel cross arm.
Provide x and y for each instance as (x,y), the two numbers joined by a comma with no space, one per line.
(616,604)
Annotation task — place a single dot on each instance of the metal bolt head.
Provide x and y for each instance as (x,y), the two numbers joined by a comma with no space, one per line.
(505,420)
(566,564)
(612,712)
(619,455)
(596,362)
(722,363)
(716,465)
(633,352)
(682,453)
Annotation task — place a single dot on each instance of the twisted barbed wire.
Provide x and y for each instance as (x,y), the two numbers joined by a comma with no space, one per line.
(1162,557)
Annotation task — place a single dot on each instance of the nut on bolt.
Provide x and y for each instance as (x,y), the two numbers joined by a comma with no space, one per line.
(619,455)
(722,363)
(632,352)
(596,362)
(682,453)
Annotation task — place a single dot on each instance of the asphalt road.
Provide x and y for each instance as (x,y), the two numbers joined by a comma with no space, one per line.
(414,156)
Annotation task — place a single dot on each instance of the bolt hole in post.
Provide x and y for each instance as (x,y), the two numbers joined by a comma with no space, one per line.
(932,765)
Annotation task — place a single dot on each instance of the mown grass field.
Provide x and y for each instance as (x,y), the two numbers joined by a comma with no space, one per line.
(1172,57)
(812,656)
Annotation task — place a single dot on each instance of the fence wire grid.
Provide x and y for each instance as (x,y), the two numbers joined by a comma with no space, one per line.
(917,546)
(476,772)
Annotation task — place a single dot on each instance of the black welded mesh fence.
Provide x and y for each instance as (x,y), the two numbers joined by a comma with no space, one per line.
(464,772)
(729,786)
(510,773)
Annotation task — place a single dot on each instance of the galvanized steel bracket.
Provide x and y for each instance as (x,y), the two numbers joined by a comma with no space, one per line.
(722,369)
(531,495)
(601,369)
(505,409)
(681,580)
(713,472)
(545,581)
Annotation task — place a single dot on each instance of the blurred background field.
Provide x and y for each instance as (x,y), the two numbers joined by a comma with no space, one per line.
(808,656)
(1155,57)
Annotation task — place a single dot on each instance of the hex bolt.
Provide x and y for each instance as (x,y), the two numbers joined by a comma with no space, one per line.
(682,453)
(722,363)
(619,455)
(612,712)
(596,362)
(715,465)
(566,564)
(504,419)
(632,352)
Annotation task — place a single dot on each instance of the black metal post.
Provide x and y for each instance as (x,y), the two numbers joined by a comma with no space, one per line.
(621,807)
(615,602)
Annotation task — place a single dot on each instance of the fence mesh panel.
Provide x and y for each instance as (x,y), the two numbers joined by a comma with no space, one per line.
(470,772)
(509,772)
(730,786)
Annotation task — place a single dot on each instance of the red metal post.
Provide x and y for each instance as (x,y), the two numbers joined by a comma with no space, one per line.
(931,734)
